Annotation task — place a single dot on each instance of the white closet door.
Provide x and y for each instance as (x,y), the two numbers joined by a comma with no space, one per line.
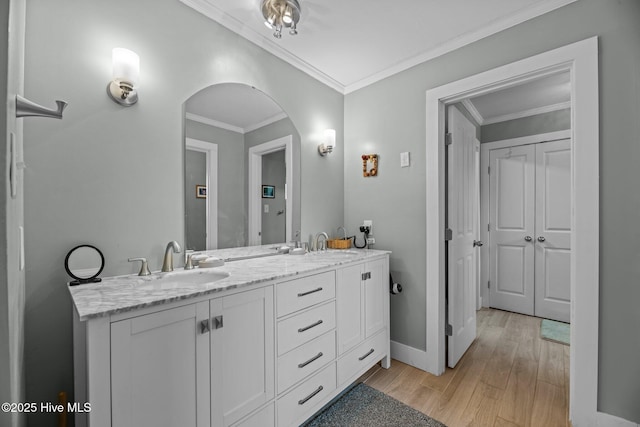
(512,210)
(462,212)
(553,230)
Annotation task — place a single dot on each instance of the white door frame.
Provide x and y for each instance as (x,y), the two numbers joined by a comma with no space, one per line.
(581,60)
(485,148)
(255,182)
(211,151)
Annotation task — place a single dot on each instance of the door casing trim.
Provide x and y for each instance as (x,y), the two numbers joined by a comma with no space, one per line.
(581,60)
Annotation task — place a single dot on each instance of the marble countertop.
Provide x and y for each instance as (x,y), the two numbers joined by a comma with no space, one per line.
(131,292)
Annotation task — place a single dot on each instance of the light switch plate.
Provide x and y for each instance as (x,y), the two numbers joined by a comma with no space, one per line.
(404,159)
(266,208)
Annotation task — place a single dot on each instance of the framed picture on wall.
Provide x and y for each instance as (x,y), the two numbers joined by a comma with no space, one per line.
(268,192)
(201,191)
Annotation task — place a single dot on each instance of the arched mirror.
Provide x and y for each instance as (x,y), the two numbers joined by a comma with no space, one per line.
(242,169)
(84,263)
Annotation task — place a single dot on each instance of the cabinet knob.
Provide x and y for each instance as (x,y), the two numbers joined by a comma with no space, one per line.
(541,239)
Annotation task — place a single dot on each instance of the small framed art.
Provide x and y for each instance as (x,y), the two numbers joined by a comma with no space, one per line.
(268,192)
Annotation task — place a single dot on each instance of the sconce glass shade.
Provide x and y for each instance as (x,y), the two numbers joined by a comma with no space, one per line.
(126,75)
(329,142)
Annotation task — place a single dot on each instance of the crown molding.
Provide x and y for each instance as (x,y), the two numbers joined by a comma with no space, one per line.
(214,123)
(232,128)
(272,119)
(239,28)
(528,113)
(471,108)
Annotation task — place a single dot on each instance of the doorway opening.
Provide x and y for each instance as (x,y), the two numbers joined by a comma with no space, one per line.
(255,190)
(201,194)
(581,61)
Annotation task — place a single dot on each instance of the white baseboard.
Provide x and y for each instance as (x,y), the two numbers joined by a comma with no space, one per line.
(606,420)
(409,355)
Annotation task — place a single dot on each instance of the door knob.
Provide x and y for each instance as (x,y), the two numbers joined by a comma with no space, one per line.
(528,239)
(541,239)
(477,243)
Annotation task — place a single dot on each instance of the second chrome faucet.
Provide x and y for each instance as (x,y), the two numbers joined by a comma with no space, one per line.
(172,247)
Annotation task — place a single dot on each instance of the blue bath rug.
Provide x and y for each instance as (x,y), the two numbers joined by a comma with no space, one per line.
(555,331)
(363,406)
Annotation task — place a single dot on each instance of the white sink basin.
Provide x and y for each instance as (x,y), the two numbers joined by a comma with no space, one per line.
(178,279)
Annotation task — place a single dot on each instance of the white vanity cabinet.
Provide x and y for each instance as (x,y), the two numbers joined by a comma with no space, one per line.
(242,355)
(362,315)
(159,369)
(267,354)
(202,364)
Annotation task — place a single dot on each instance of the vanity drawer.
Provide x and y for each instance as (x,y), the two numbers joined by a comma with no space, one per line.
(302,293)
(305,326)
(308,397)
(361,358)
(305,360)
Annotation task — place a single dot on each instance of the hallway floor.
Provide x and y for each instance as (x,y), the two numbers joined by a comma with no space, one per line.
(508,377)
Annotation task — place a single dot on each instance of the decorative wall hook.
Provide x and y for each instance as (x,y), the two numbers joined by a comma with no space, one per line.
(26,108)
(366,158)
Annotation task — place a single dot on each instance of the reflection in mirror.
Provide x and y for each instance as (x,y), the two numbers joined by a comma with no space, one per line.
(237,139)
(84,263)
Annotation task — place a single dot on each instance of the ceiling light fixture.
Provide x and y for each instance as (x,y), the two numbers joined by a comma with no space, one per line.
(279,14)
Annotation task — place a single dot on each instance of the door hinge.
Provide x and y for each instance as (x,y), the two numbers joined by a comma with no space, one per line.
(448,330)
(448,234)
(366,275)
(489,170)
(448,140)
(488,227)
(217,322)
(489,284)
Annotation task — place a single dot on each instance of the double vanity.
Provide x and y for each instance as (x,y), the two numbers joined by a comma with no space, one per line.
(265,340)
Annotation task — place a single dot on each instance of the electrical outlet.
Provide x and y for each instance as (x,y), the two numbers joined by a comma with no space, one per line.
(368,223)
(371,240)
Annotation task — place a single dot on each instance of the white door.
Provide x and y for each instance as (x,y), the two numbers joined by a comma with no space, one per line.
(512,226)
(462,179)
(553,230)
(530,229)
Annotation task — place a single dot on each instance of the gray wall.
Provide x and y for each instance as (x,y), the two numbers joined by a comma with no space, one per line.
(12,27)
(195,208)
(389,117)
(113,176)
(277,130)
(527,126)
(273,173)
(232,208)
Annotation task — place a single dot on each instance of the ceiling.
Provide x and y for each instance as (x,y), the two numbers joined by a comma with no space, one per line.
(232,106)
(543,95)
(349,44)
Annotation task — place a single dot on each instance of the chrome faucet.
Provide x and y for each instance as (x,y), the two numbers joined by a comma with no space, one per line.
(344,232)
(172,247)
(324,243)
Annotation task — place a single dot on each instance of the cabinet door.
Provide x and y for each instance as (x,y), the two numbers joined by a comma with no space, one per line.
(159,369)
(349,302)
(242,354)
(375,288)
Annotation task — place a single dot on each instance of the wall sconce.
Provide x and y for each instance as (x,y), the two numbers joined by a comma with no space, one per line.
(126,72)
(329,142)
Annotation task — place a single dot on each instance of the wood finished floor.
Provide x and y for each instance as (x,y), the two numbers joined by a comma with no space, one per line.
(508,377)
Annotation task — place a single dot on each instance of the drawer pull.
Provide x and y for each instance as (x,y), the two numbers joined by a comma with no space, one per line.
(369,353)
(306,399)
(306,328)
(303,294)
(314,358)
